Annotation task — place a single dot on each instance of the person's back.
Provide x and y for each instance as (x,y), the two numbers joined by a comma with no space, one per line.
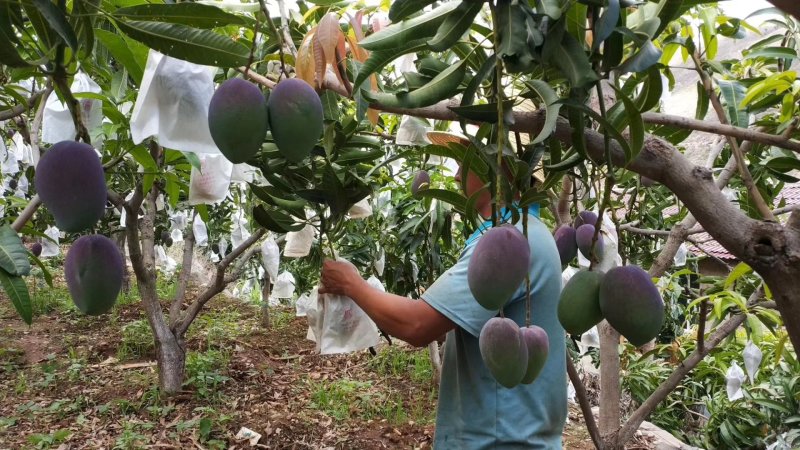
(474,411)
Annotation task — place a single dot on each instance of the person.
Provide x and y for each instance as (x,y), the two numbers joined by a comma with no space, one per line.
(475,412)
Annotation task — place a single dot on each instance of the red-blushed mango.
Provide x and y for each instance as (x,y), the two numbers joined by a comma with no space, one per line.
(538,345)
(630,302)
(585,217)
(422,180)
(36,249)
(583,237)
(579,305)
(498,266)
(646,182)
(94,269)
(295,118)
(503,351)
(71,183)
(565,242)
(237,119)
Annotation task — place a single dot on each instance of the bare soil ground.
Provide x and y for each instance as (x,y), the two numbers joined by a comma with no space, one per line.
(62,385)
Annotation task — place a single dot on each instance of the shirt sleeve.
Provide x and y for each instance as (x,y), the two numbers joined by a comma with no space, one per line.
(451,296)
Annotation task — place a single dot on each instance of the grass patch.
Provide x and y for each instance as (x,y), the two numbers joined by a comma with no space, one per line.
(217,328)
(350,399)
(395,361)
(205,372)
(137,341)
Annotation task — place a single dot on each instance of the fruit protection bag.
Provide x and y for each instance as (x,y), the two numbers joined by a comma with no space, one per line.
(271,257)
(211,183)
(298,243)
(339,324)
(57,124)
(173,105)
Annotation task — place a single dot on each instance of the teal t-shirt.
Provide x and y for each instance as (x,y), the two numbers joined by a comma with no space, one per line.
(474,411)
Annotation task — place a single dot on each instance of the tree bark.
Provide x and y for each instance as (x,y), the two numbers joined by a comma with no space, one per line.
(610,392)
(436,361)
(265,293)
(171,359)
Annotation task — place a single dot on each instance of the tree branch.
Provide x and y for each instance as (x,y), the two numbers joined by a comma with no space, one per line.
(36,126)
(747,178)
(720,129)
(183,278)
(217,285)
(26,213)
(726,328)
(18,110)
(583,401)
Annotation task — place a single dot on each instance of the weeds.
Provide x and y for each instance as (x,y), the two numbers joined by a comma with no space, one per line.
(395,361)
(137,341)
(204,372)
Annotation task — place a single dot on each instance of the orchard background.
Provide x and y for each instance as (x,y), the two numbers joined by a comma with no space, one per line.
(574,91)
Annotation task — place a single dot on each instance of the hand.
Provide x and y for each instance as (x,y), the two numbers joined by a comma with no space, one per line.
(338,277)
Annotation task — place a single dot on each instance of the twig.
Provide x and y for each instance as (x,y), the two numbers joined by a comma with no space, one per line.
(583,401)
(36,126)
(183,278)
(26,213)
(18,110)
(747,178)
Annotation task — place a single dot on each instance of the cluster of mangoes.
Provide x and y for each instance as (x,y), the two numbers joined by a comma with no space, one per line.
(579,236)
(625,296)
(499,265)
(71,183)
(239,117)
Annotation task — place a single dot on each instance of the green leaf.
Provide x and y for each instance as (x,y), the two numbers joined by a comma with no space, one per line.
(45,35)
(330,106)
(399,34)
(635,124)
(783,164)
(84,25)
(193,159)
(58,22)
(190,44)
(17,291)
(13,254)
(48,278)
(355,156)
(552,107)
(572,60)
(458,201)
(486,112)
(275,220)
(442,87)
(457,152)
(378,59)
(123,53)
(733,93)
(739,271)
(576,20)
(401,9)
(142,156)
(606,24)
(773,52)
(613,132)
(194,14)
(455,25)
(642,60)
(551,8)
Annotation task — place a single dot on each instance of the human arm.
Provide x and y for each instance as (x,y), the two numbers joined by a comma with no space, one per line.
(413,321)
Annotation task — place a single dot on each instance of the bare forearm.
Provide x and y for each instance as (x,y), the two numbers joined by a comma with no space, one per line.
(393,314)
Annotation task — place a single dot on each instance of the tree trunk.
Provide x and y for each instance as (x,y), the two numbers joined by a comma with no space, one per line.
(126,275)
(171,356)
(265,291)
(609,384)
(436,361)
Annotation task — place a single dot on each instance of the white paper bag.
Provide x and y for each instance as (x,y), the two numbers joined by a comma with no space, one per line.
(211,183)
(361,209)
(271,257)
(380,263)
(298,243)
(173,104)
(752,359)
(240,233)
(345,326)
(412,131)
(200,231)
(302,305)
(8,160)
(57,124)
(284,285)
(50,248)
(734,378)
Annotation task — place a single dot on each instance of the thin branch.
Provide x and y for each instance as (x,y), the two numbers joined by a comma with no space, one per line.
(563,201)
(720,129)
(183,278)
(26,213)
(724,330)
(583,401)
(216,285)
(36,126)
(747,178)
(648,231)
(18,110)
